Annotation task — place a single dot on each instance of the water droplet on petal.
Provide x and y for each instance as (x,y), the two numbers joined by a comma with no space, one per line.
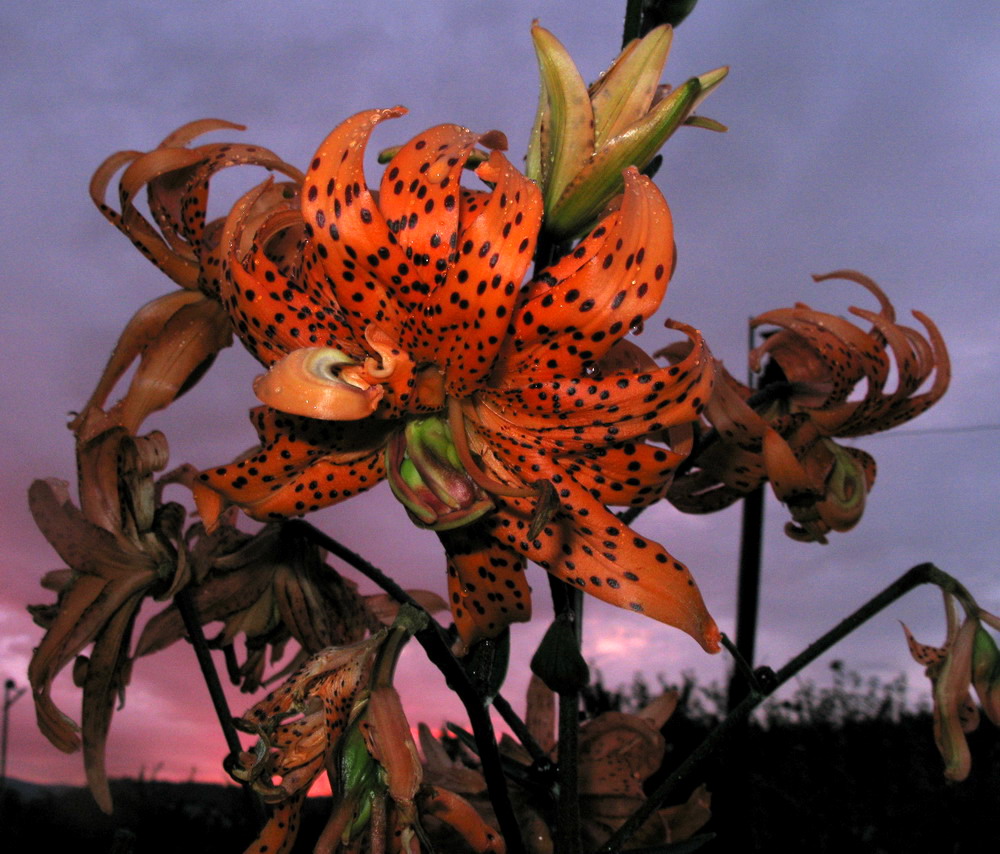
(592,370)
(636,326)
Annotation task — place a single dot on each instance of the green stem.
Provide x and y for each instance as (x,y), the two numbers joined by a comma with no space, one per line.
(633,21)
(925,573)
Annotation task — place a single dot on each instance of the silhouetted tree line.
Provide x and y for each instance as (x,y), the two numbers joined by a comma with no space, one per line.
(846,767)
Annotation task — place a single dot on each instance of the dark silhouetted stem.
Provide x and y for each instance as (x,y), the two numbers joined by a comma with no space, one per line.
(568,604)
(435,644)
(925,573)
(192,624)
(513,720)
(748,589)
(633,21)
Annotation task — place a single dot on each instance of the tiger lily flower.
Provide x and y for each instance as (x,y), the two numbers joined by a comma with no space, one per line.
(617,753)
(175,337)
(298,725)
(968,659)
(785,431)
(583,138)
(949,667)
(399,345)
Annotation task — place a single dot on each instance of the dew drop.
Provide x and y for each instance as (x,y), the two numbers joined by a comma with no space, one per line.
(592,370)
(636,326)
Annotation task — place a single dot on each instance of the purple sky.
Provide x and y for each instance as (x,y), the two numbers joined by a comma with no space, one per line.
(860,136)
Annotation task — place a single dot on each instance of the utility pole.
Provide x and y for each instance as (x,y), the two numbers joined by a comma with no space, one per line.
(11,694)
(748,589)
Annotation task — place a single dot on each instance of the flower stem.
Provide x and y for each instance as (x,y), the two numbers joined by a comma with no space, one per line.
(568,605)
(520,729)
(435,644)
(192,624)
(633,21)
(925,573)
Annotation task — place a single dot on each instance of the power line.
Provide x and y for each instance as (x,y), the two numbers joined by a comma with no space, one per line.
(967,428)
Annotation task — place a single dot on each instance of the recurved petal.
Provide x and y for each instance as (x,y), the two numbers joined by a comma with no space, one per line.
(487,586)
(576,310)
(309,382)
(282,828)
(589,547)
(846,353)
(582,412)
(191,130)
(175,360)
(632,473)
(319,616)
(954,714)
(217,599)
(182,268)
(107,585)
(301,465)
(353,242)
(273,309)
(913,363)
(145,327)
(107,675)
(466,319)
(419,198)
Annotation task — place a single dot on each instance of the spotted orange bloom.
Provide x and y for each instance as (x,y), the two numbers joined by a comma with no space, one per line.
(401,344)
(784,433)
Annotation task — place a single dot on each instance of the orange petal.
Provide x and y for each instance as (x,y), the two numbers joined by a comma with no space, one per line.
(467,316)
(610,284)
(587,546)
(487,586)
(419,198)
(307,382)
(301,465)
(354,245)
(272,310)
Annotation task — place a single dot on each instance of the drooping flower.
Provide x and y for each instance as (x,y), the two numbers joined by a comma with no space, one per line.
(338,712)
(968,658)
(121,546)
(298,726)
(584,137)
(399,344)
(784,432)
(617,753)
(176,336)
(271,587)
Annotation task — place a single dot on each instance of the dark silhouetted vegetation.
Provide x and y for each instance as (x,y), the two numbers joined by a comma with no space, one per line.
(846,767)
(850,767)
